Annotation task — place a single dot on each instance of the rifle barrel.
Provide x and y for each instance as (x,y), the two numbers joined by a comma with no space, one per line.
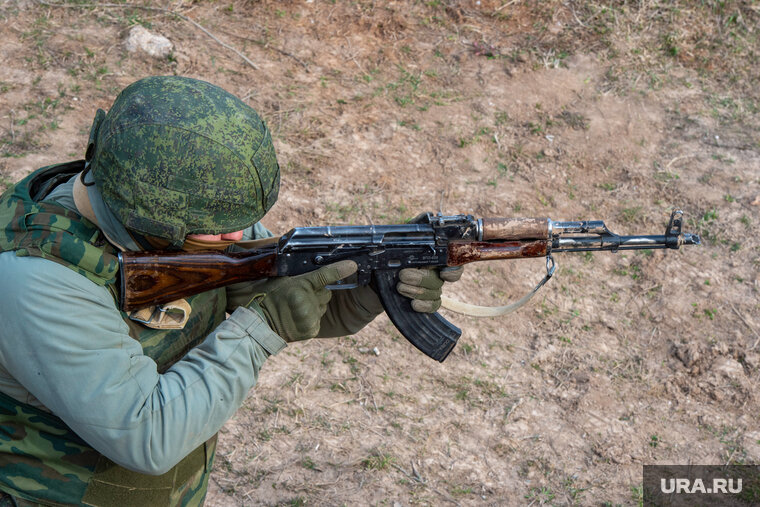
(613,242)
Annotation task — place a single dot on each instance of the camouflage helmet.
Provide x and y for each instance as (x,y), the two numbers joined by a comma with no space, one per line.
(177,156)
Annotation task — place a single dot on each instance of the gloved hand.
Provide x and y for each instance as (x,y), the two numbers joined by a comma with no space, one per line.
(423,286)
(293,305)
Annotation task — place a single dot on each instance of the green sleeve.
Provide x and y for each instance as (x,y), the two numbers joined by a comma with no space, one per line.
(63,340)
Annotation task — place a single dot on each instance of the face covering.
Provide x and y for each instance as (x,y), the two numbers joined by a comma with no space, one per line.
(195,245)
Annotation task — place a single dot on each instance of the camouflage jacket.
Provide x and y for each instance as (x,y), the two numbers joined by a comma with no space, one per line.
(109,395)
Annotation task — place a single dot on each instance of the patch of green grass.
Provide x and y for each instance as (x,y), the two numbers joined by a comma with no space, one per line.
(573,491)
(272,405)
(542,496)
(501,118)
(296,502)
(378,461)
(343,212)
(535,128)
(476,137)
(666,176)
(308,463)
(670,44)
(631,215)
(352,363)
(704,226)
(577,121)
(460,490)
(409,124)
(637,495)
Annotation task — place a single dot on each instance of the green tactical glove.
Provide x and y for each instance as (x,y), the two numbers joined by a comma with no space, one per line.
(423,286)
(293,305)
(351,310)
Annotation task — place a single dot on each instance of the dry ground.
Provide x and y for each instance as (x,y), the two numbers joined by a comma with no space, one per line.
(568,109)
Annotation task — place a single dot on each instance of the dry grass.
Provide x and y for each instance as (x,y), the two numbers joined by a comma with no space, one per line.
(597,110)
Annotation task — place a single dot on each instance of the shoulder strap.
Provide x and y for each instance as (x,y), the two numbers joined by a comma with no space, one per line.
(33,226)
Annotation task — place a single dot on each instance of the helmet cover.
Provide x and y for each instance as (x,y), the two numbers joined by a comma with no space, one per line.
(177,156)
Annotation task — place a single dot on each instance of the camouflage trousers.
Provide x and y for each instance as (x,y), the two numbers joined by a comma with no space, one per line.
(7,500)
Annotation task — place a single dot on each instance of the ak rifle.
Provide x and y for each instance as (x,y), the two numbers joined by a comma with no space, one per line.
(381,251)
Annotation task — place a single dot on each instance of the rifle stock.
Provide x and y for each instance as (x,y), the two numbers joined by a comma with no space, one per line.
(155,278)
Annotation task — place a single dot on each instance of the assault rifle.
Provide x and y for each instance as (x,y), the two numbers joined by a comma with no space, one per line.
(381,251)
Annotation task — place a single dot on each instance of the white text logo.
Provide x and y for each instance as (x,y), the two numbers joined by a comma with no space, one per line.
(678,486)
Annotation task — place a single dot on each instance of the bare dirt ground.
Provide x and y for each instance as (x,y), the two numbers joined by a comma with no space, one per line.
(380,110)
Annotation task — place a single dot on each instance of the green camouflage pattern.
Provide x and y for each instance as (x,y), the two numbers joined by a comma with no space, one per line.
(48,230)
(177,156)
(195,488)
(41,459)
(7,500)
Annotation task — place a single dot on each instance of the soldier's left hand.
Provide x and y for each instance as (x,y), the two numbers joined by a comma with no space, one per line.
(424,286)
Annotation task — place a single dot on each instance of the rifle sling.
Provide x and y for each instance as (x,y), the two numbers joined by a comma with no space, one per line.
(496,311)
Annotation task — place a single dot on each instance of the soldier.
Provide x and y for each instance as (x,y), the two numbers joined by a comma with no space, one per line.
(100,407)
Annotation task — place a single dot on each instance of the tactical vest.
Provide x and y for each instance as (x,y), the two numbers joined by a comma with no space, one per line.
(41,459)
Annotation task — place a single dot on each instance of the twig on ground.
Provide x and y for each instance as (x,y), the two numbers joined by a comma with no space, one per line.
(353,57)
(741,147)
(158,9)
(748,325)
(506,5)
(266,45)
(572,9)
(689,155)
(416,479)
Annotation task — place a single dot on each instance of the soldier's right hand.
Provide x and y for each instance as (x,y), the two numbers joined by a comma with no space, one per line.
(293,305)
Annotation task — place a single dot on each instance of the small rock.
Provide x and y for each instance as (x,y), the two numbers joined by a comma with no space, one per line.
(140,39)
(376,351)
(756,202)
(729,368)
(752,360)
